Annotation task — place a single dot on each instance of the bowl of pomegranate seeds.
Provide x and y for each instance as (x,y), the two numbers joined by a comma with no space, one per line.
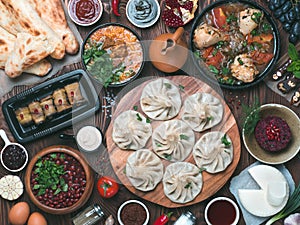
(274,139)
(59,180)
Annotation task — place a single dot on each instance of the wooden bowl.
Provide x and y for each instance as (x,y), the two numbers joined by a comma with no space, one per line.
(88,173)
(275,157)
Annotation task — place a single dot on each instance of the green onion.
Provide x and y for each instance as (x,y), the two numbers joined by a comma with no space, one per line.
(292,206)
(225,141)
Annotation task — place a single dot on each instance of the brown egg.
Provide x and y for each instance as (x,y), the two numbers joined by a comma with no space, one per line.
(36,219)
(19,213)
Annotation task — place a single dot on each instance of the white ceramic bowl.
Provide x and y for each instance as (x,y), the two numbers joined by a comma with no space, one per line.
(143,25)
(275,157)
(137,202)
(75,20)
(237,212)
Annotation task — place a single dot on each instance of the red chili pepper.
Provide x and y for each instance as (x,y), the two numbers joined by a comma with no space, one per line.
(115,7)
(163,219)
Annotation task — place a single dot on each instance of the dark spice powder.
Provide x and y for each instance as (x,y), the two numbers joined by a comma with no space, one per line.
(133,214)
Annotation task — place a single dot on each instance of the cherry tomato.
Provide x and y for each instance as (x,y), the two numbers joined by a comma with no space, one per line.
(107,187)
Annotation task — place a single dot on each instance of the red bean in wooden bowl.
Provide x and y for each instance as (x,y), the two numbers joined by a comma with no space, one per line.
(58,180)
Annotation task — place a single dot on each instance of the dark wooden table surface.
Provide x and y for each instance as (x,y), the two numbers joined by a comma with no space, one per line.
(234,100)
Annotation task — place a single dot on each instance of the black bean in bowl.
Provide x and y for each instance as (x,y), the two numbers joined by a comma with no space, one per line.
(113,54)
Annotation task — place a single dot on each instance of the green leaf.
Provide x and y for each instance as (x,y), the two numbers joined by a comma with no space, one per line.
(202,169)
(297,74)
(183,137)
(213,69)
(169,86)
(148,120)
(225,141)
(36,186)
(167,156)
(181,87)
(138,117)
(292,52)
(158,144)
(250,117)
(135,108)
(58,190)
(188,185)
(65,187)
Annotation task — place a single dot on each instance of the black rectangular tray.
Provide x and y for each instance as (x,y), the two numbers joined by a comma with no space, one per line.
(59,121)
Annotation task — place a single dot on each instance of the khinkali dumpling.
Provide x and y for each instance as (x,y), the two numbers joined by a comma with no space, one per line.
(182,182)
(160,99)
(131,130)
(144,169)
(173,140)
(202,111)
(213,151)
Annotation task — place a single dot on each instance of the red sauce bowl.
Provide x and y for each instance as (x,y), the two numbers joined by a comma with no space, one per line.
(85,12)
(49,202)
(222,211)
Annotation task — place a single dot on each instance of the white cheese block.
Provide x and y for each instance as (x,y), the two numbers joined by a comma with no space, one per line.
(276,192)
(264,174)
(272,196)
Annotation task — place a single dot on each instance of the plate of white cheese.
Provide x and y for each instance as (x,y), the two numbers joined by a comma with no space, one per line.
(272,195)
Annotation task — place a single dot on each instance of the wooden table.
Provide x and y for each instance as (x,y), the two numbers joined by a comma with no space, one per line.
(233,98)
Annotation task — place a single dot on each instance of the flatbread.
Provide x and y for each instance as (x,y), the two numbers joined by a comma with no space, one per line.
(27,51)
(32,23)
(8,21)
(7,42)
(52,12)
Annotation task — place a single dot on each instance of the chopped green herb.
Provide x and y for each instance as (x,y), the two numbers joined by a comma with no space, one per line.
(158,144)
(138,117)
(240,61)
(209,118)
(135,108)
(225,141)
(213,69)
(231,18)
(169,86)
(181,87)
(215,51)
(266,27)
(219,44)
(148,120)
(188,185)
(183,137)
(256,17)
(225,70)
(254,33)
(294,67)
(197,54)
(251,115)
(202,169)
(49,176)
(124,170)
(167,156)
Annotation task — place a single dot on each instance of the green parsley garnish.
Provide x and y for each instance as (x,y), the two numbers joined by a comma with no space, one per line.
(225,141)
(138,117)
(49,176)
(213,69)
(169,86)
(183,137)
(135,108)
(167,156)
(256,17)
(158,144)
(181,87)
(188,185)
(231,18)
(148,120)
(251,115)
(240,61)
(225,70)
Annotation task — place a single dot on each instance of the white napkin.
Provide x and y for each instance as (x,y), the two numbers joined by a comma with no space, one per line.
(244,180)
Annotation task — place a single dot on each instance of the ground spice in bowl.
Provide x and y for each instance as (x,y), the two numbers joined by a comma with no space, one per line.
(133,213)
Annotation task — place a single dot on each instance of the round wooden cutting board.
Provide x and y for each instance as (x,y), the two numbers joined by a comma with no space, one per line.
(211,182)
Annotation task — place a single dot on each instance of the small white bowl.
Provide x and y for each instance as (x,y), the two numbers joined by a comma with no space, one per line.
(143,25)
(236,208)
(71,13)
(137,202)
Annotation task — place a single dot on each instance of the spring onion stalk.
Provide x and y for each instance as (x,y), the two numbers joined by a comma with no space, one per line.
(293,205)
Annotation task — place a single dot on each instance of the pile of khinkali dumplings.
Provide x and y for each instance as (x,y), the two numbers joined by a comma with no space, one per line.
(173,139)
